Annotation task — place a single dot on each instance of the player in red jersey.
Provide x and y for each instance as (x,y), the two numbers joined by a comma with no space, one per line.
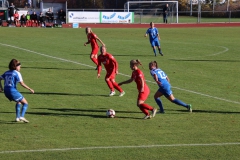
(92,38)
(143,90)
(111,67)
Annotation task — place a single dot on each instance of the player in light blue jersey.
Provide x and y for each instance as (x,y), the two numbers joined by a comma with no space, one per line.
(164,87)
(11,78)
(154,38)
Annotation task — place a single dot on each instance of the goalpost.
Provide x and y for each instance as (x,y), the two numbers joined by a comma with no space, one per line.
(152,6)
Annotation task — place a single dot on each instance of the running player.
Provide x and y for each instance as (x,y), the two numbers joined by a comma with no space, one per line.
(154,38)
(92,38)
(164,87)
(111,67)
(143,90)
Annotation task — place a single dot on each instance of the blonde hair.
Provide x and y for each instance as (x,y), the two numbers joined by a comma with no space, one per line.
(86,30)
(135,62)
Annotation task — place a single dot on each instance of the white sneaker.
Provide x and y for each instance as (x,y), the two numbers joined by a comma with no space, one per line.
(112,93)
(17,120)
(147,117)
(121,94)
(23,119)
(154,111)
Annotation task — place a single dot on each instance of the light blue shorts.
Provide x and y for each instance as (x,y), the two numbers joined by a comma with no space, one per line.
(155,43)
(13,95)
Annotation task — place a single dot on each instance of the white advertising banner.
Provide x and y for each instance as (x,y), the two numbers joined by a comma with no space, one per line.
(117,17)
(84,17)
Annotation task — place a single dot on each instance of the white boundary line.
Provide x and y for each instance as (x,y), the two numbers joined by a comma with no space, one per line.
(61,59)
(117,147)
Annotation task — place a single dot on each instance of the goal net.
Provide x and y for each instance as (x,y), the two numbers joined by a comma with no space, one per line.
(147,11)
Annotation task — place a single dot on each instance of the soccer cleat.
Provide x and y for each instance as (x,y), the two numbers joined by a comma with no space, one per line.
(122,94)
(190,108)
(161,54)
(161,112)
(17,120)
(147,117)
(112,93)
(23,119)
(154,111)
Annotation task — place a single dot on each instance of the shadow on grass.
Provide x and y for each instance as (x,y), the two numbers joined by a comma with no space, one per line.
(206,111)
(93,68)
(206,60)
(142,55)
(65,94)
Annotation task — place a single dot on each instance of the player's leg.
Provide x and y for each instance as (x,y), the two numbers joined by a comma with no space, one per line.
(24,109)
(93,55)
(110,84)
(157,99)
(18,108)
(179,102)
(114,83)
(159,47)
(142,96)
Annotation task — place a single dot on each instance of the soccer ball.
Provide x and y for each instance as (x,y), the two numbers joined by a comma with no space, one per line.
(110,113)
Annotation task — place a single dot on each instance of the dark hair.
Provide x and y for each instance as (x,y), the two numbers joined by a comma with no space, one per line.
(154,64)
(13,64)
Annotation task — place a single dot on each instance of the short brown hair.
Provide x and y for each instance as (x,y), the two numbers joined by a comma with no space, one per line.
(13,64)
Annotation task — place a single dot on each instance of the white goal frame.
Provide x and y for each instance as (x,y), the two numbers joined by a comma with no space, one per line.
(155,2)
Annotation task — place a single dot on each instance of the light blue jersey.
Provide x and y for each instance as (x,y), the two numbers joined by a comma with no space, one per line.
(11,78)
(165,86)
(153,36)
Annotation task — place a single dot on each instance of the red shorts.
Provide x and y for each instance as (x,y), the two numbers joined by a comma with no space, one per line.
(111,73)
(144,95)
(95,51)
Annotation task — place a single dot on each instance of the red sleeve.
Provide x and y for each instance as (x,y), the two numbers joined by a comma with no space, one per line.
(114,61)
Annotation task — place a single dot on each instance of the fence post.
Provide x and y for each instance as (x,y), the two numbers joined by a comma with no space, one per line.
(229,16)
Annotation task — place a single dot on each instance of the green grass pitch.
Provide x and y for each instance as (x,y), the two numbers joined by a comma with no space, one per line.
(67,113)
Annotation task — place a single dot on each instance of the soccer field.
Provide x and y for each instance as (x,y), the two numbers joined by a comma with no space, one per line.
(67,113)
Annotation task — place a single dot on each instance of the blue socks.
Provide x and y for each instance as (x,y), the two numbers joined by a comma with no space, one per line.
(159,103)
(24,109)
(18,108)
(154,50)
(180,103)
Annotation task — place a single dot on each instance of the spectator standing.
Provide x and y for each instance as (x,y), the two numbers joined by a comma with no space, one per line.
(143,89)
(62,16)
(92,38)
(11,10)
(165,13)
(49,15)
(23,20)
(11,78)
(154,38)
(164,87)
(34,19)
(111,67)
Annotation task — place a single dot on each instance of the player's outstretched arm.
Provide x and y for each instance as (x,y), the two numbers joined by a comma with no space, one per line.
(25,86)
(125,82)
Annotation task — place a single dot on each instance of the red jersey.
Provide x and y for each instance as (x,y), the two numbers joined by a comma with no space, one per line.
(16,16)
(92,38)
(108,61)
(137,75)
